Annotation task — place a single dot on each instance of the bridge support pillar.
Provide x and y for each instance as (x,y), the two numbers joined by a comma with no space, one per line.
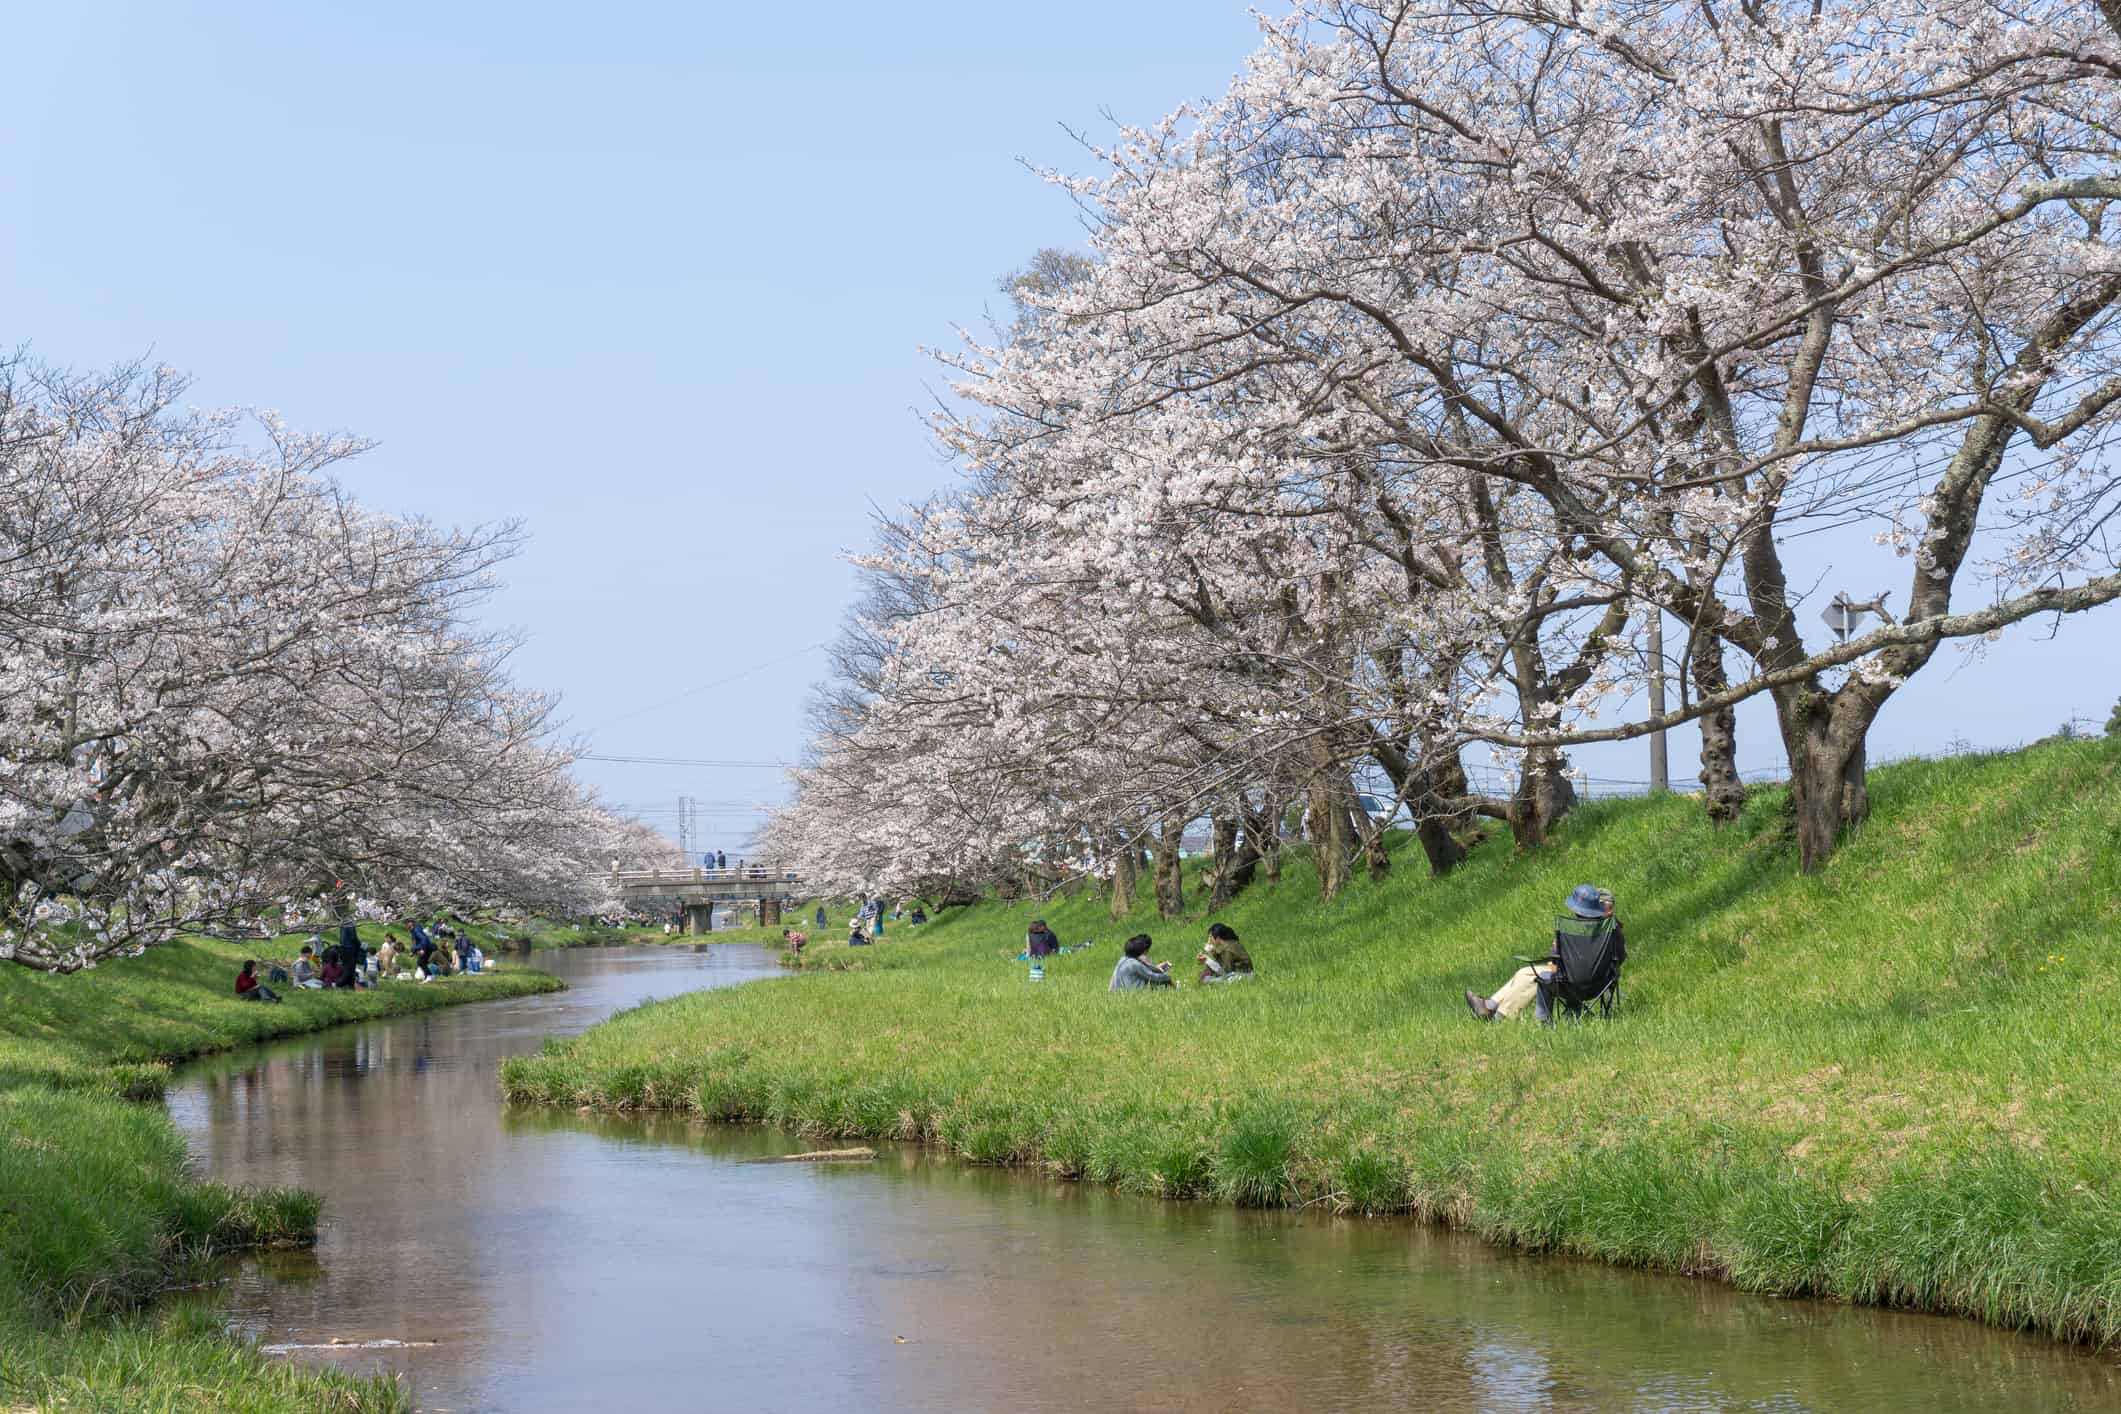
(699,919)
(769,912)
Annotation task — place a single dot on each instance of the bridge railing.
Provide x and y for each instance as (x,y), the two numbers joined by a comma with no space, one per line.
(750,874)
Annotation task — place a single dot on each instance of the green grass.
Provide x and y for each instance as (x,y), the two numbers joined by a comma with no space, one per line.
(171,1359)
(99,1211)
(542,933)
(1893,1082)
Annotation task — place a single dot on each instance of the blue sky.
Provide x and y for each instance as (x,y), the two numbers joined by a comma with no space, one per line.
(653,278)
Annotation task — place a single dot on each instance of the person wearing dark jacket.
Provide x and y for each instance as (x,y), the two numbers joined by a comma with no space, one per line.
(1223,958)
(1040,942)
(1589,908)
(352,956)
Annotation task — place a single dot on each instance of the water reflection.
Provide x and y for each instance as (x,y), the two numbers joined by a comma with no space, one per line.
(566,1261)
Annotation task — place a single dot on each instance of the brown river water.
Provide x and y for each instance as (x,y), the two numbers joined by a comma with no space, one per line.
(563,1261)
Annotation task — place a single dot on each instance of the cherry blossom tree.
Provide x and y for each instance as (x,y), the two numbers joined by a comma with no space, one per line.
(1404,382)
(231,693)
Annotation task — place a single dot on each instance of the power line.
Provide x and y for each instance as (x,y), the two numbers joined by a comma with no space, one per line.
(705,687)
(681,761)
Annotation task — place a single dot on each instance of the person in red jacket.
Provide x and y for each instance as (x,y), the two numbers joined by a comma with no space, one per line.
(249,988)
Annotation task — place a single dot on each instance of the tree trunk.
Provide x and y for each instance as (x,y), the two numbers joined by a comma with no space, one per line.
(1235,837)
(1435,822)
(1327,824)
(1430,787)
(1170,881)
(1126,865)
(1544,795)
(1222,858)
(1722,793)
(1263,829)
(1826,738)
(1245,865)
(1375,860)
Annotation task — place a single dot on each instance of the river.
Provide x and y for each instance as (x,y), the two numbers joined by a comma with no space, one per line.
(563,1261)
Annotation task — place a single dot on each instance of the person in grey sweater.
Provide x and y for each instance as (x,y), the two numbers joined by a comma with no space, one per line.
(1135,971)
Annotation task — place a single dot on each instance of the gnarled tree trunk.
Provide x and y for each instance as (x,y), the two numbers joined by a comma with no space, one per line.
(1126,864)
(1263,831)
(1235,855)
(1544,795)
(1222,857)
(1434,791)
(1170,882)
(1374,859)
(1332,842)
(1436,819)
(1722,793)
(1825,738)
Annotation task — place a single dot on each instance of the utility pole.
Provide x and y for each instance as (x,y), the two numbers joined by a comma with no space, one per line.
(685,827)
(1660,774)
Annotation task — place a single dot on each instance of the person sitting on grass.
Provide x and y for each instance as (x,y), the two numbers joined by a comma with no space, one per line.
(856,938)
(249,988)
(1039,941)
(1588,906)
(1223,958)
(920,916)
(306,969)
(1135,972)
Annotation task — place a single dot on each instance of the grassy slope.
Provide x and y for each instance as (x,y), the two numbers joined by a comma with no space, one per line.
(98,1208)
(1893,1082)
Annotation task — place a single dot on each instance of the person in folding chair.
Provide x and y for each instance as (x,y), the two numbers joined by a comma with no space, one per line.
(1583,969)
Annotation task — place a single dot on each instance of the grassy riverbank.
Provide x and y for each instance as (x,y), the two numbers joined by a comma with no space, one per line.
(1893,1082)
(99,1211)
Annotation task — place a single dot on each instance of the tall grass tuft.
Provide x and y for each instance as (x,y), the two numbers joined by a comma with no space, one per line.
(1252,1164)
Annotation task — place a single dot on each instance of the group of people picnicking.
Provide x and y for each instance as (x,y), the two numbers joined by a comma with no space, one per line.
(1581,968)
(1222,959)
(348,964)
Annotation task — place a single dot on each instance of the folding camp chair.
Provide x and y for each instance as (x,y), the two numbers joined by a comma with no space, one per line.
(1584,969)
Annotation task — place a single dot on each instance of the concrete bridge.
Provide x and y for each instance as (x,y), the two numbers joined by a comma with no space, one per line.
(697,891)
